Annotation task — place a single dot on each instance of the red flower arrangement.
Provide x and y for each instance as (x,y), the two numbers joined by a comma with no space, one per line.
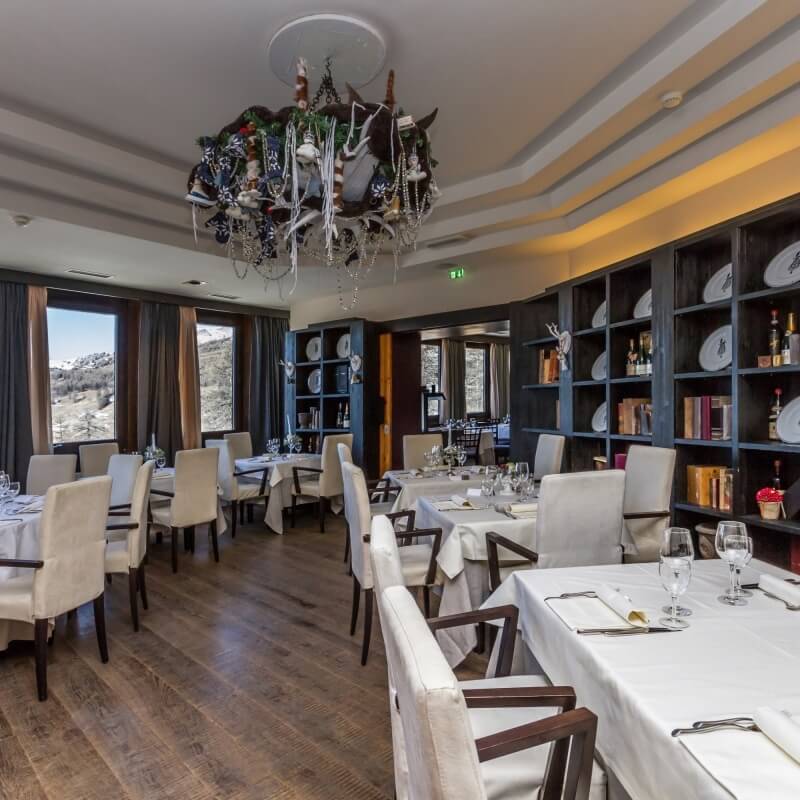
(769,495)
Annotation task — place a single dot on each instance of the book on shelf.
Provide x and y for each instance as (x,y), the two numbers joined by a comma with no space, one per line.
(708,417)
(710,486)
(635,416)
(548,366)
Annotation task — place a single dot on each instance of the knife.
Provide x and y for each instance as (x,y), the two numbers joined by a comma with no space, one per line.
(621,631)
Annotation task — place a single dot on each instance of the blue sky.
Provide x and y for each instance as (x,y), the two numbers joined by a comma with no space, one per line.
(78,333)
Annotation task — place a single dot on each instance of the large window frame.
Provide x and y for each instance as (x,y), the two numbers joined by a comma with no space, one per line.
(433,419)
(485,413)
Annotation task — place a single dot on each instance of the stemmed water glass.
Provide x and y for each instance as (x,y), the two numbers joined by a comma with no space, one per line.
(5,481)
(683,540)
(675,570)
(11,492)
(461,456)
(734,546)
(521,470)
(161,461)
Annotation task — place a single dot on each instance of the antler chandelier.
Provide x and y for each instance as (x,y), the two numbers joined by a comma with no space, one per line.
(335,184)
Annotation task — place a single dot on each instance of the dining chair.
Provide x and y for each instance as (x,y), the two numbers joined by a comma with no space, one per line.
(417,561)
(123,469)
(415,446)
(470,440)
(241,444)
(126,555)
(649,472)
(506,737)
(193,501)
(234,488)
(578,523)
(549,455)
(94,458)
(46,471)
(327,482)
(69,571)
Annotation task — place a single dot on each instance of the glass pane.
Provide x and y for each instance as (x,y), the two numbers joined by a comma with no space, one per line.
(215,355)
(82,375)
(431,373)
(476,380)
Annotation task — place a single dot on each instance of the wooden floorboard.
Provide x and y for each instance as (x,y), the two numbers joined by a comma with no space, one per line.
(242,684)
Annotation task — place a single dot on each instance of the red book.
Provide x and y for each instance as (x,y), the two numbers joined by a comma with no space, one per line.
(619,460)
(705,416)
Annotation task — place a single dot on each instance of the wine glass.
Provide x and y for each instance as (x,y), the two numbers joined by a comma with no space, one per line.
(461,456)
(161,461)
(737,568)
(12,491)
(737,531)
(522,470)
(679,540)
(675,570)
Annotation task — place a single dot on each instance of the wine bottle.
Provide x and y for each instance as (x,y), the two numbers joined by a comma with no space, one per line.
(640,365)
(776,478)
(339,417)
(630,366)
(786,348)
(649,358)
(775,338)
(346,418)
(774,413)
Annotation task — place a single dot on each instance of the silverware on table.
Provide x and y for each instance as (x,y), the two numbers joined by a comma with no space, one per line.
(565,595)
(622,631)
(735,723)
(11,519)
(789,606)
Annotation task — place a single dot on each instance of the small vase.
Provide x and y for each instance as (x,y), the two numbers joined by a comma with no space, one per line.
(770,510)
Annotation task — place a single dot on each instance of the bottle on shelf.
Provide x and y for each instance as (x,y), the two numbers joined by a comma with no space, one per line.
(633,357)
(775,339)
(648,358)
(346,418)
(786,347)
(776,478)
(339,417)
(774,412)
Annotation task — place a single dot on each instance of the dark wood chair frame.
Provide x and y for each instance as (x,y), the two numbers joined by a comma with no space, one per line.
(136,581)
(40,629)
(241,504)
(188,534)
(470,440)
(495,540)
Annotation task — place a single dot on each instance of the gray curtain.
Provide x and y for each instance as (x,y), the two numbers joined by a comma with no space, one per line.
(158,396)
(454,377)
(499,383)
(16,435)
(266,380)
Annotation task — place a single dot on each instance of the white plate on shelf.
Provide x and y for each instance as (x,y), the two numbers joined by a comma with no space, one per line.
(600,419)
(789,422)
(644,305)
(343,346)
(600,367)
(717,350)
(784,269)
(314,349)
(599,316)
(719,285)
(315,381)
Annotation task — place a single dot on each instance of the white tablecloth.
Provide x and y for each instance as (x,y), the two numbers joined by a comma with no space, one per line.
(728,662)
(411,488)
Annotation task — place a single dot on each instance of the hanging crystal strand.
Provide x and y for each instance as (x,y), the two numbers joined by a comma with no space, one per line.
(291,147)
(327,176)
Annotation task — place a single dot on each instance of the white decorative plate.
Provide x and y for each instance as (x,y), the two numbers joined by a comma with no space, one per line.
(600,367)
(784,269)
(717,350)
(789,423)
(600,419)
(599,316)
(315,381)
(314,349)
(644,306)
(720,285)
(343,346)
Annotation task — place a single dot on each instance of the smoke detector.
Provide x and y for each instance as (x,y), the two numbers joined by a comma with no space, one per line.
(21,220)
(671,99)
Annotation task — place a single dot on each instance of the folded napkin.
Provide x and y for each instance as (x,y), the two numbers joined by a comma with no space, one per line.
(523,510)
(455,503)
(609,609)
(459,477)
(623,606)
(473,492)
(788,592)
(782,729)
(415,473)
(33,505)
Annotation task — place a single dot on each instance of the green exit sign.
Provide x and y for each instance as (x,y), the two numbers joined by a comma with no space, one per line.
(456,273)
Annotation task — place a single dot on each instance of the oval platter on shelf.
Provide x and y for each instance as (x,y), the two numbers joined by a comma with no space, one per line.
(600,367)
(314,349)
(789,423)
(600,419)
(644,306)
(716,352)
(599,316)
(784,269)
(315,381)
(343,346)
(719,285)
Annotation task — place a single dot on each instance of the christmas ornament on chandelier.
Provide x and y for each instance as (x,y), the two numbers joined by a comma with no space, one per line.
(336,184)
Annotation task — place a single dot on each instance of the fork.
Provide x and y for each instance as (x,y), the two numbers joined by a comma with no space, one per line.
(565,595)
(722,725)
(789,606)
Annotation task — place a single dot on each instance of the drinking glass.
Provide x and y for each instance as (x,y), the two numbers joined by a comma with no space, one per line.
(161,461)
(461,456)
(11,492)
(487,484)
(679,542)
(521,470)
(738,571)
(737,551)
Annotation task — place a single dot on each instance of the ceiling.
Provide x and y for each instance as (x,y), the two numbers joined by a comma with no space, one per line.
(549,117)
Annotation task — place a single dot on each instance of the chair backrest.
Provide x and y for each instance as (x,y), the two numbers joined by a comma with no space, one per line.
(47,471)
(241,444)
(468,438)
(140,499)
(225,468)
(358,516)
(649,472)
(384,555)
(345,453)
(94,458)
(330,482)
(579,519)
(195,500)
(123,468)
(416,445)
(549,455)
(72,544)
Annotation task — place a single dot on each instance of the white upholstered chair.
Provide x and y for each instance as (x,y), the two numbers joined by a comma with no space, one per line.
(241,444)
(125,555)
(193,501)
(415,446)
(508,737)
(94,458)
(123,469)
(549,455)
(321,483)
(70,572)
(47,471)
(649,472)
(417,561)
(234,488)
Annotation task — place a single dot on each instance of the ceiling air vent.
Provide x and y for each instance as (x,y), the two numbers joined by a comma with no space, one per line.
(87,274)
(444,241)
(194,282)
(225,296)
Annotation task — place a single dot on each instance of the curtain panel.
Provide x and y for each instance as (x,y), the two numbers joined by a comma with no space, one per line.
(499,379)
(39,370)
(266,406)
(189,379)
(454,377)
(16,437)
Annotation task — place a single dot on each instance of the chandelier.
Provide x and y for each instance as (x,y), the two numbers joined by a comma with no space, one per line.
(333,184)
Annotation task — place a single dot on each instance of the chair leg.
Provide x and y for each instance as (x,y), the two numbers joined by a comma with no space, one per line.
(367,625)
(241,513)
(174,549)
(294,507)
(233,519)
(480,647)
(322,515)
(250,512)
(356,599)
(40,649)
(191,540)
(100,626)
(212,529)
(426,601)
(142,586)
(346,543)
(133,594)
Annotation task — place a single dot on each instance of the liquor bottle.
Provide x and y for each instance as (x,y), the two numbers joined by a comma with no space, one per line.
(633,357)
(786,348)
(346,418)
(775,339)
(339,417)
(649,358)
(776,478)
(774,412)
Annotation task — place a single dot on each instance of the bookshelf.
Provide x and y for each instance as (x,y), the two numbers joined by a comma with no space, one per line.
(680,321)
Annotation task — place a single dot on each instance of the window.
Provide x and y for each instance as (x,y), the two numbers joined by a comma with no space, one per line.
(215,350)
(476,379)
(432,372)
(83,374)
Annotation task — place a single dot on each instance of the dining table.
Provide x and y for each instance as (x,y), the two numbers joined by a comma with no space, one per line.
(414,484)
(729,662)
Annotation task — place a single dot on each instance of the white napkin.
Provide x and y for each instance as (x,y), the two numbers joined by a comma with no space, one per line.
(782,729)
(457,478)
(609,609)
(34,505)
(415,473)
(455,503)
(786,591)
(473,492)
(623,606)
(523,510)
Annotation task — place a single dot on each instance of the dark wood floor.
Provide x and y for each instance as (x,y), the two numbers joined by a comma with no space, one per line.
(242,683)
